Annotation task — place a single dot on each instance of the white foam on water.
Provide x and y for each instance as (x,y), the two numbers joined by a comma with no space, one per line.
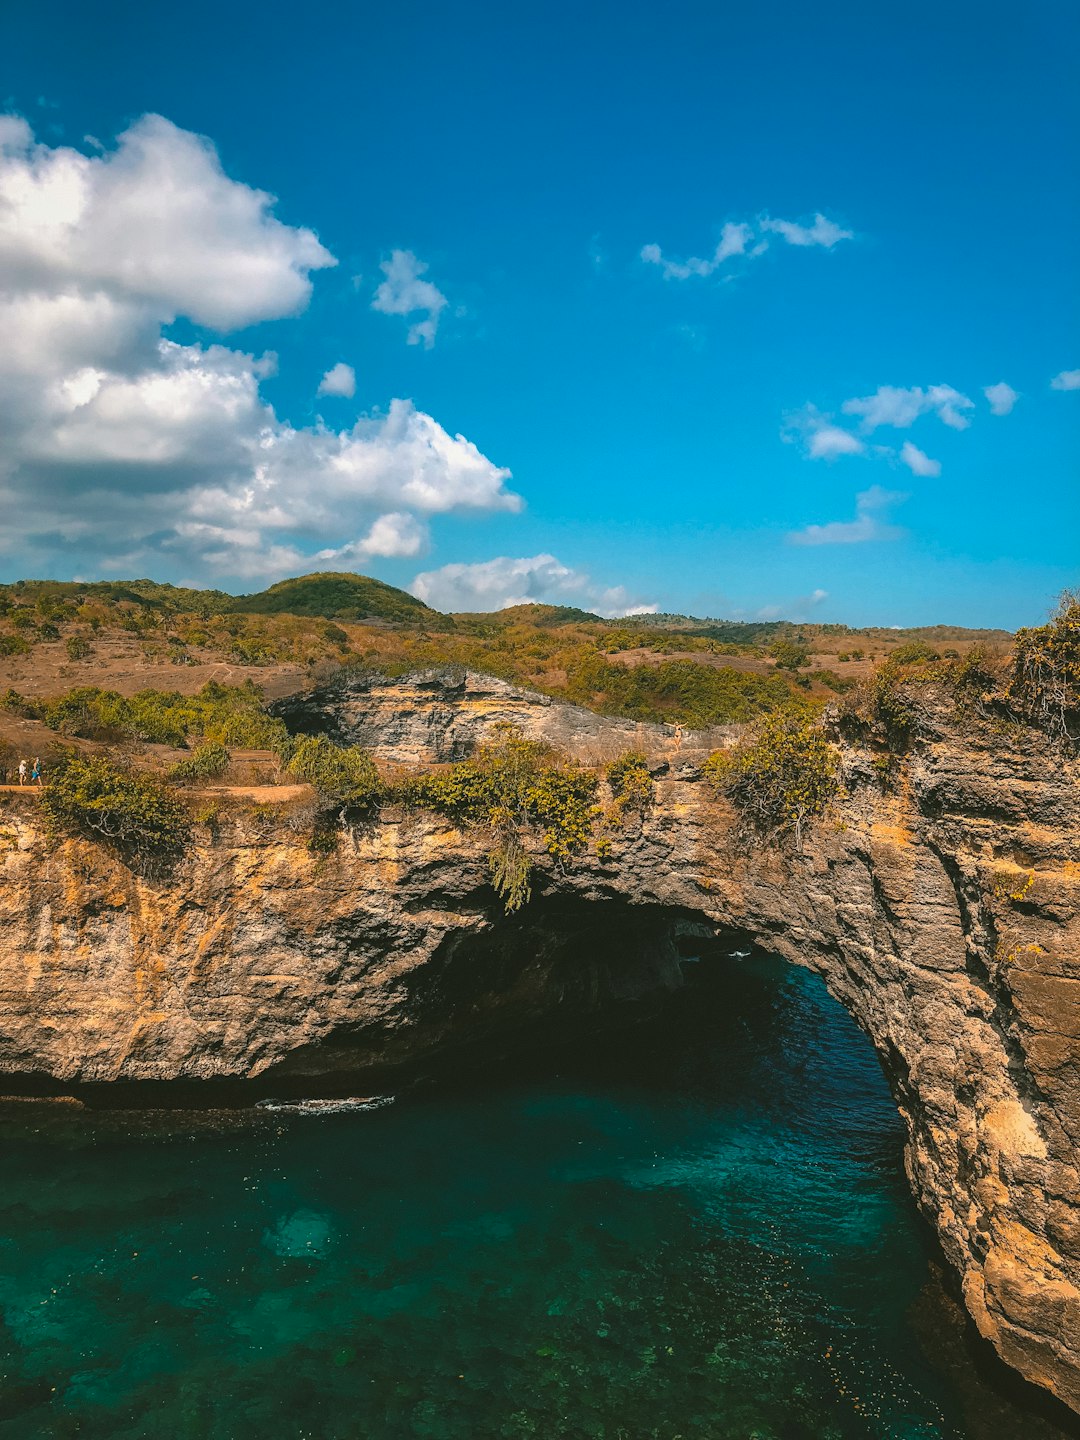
(341,1106)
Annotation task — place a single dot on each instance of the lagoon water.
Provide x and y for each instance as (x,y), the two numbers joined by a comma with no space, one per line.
(698,1230)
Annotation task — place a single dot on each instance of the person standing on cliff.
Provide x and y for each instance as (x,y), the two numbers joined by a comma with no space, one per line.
(35,773)
(678,738)
(22,772)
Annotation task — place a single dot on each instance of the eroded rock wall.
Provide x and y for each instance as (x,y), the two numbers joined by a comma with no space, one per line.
(944,912)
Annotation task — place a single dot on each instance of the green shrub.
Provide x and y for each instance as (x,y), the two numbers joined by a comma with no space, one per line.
(134,813)
(840,683)
(208,761)
(13,645)
(783,775)
(885,703)
(89,712)
(1046,672)
(631,783)
(914,652)
(229,715)
(695,694)
(512,786)
(77,647)
(17,704)
(789,654)
(341,775)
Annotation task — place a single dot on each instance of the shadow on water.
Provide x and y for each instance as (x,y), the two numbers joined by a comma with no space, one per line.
(692,1226)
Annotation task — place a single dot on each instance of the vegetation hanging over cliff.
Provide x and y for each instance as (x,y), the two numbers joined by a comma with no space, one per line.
(341,775)
(134,813)
(1046,678)
(514,786)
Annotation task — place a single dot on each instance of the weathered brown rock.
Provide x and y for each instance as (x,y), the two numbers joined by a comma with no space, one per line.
(945,914)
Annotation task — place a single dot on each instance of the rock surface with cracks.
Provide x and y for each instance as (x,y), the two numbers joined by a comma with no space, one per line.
(943,912)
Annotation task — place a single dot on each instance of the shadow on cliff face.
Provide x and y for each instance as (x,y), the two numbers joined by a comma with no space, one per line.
(558,973)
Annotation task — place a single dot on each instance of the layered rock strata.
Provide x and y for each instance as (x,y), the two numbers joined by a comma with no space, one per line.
(943,911)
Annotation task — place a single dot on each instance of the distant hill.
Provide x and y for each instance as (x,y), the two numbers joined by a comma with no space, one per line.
(146,594)
(545,616)
(335,596)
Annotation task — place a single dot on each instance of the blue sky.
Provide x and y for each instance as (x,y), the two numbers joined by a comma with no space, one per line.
(675,439)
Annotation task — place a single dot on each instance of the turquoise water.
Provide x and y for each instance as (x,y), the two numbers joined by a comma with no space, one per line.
(699,1230)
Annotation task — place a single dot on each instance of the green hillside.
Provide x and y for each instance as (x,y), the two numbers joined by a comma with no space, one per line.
(144,594)
(335,596)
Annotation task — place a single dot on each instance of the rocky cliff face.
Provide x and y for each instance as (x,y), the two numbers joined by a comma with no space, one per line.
(944,912)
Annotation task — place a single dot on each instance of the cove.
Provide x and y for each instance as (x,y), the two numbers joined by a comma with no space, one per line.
(695,1226)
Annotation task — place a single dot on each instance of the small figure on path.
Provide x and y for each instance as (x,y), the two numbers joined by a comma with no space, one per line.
(35,773)
(22,772)
(678,737)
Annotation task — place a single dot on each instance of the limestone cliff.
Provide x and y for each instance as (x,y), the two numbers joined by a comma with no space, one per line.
(943,911)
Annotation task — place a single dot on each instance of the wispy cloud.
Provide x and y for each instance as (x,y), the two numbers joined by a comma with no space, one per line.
(900,408)
(738,238)
(404,292)
(821,232)
(801,608)
(871,522)
(1066,380)
(734,239)
(918,463)
(1002,397)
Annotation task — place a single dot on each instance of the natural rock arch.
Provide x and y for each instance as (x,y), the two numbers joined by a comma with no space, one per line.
(944,914)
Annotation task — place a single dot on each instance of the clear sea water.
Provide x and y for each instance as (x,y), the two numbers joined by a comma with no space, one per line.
(695,1228)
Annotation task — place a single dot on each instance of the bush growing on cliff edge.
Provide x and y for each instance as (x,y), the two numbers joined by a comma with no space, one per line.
(514,785)
(780,777)
(631,782)
(137,815)
(340,775)
(1046,674)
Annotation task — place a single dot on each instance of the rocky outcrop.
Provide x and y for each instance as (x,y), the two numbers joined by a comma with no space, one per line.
(442,715)
(943,911)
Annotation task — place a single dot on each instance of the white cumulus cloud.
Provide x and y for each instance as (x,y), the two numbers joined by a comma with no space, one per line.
(156,220)
(871,522)
(917,462)
(119,446)
(395,535)
(340,379)
(1066,380)
(404,292)
(536,579)
(1001,397)
(821,437)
